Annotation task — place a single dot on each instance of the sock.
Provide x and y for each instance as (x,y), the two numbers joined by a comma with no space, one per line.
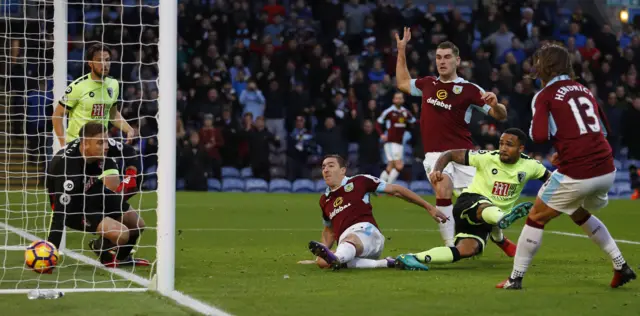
(599,234)
(393,176)
(102,247)
(447,230)
(360,263)
(439,255)
(496,235)
(528,244)
(491,215)
(384,176)
(125,251)
(345,252)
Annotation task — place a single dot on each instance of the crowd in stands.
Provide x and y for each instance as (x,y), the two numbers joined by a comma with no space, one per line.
(273,85)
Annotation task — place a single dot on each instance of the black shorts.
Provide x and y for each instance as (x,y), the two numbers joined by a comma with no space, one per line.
(468,225)
(94,210)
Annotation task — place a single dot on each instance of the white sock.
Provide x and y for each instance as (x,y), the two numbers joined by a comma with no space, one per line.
(528,244)
(596,230)
(496,234)
(447,229)
(345,252)
(384,176)
(360,263)
(393,176)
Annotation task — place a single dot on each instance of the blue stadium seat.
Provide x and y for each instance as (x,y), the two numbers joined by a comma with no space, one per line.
(320,186)
(256,185)
(232,185)
(617,163)
(151,171)
(280,186)
(303,186)
(246,173)
(402,183)
(630,163)
(180,184)
(531,188)
(230,172)
(214,185)
(623,176)
(623,188)
(422,187)
(353,148)
(353,159)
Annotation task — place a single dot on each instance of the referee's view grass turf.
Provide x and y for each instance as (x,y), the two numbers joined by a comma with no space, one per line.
(239,253)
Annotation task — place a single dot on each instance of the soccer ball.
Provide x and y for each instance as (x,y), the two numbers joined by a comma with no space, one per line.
(41,256)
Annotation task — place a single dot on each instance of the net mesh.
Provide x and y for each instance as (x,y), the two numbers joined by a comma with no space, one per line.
(129,28)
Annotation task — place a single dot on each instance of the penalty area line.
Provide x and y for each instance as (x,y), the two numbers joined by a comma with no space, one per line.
(222,229)
(178,297)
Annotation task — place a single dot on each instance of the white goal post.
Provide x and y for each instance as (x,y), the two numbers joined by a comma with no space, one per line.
(24,206)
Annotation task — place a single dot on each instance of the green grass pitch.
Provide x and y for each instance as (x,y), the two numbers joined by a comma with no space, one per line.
(234,250)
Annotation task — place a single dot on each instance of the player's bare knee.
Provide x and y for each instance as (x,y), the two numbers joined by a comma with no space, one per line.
(580,216)
(355,241)
(468,248)
(399,165)
(444,188)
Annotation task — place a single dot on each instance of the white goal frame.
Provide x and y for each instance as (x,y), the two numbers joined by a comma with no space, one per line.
(163,279)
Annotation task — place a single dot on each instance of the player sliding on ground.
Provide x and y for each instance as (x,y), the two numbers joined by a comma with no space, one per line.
(347,213)
(487,202)
(90,98)
(81,183)
(567,112)
(394,119)
(447,105)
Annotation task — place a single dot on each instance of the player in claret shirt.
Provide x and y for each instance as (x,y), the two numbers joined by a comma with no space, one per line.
(394,119)
(347,213)
(447,105)
(585,164)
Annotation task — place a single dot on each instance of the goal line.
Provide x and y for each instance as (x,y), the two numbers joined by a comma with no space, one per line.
(144,284)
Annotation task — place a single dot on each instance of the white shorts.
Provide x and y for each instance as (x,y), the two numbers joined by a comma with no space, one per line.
(394,151)
(460,175)
(566,195)
(371,238)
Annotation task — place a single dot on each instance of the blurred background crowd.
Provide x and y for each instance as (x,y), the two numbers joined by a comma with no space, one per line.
(268,87)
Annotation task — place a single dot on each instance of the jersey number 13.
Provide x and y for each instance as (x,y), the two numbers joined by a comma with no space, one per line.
(584,109)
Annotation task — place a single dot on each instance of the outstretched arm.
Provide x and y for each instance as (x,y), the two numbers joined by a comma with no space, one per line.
(403,79)
(414,198)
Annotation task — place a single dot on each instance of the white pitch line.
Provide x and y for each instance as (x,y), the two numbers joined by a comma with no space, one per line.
(620,241)
(178,297)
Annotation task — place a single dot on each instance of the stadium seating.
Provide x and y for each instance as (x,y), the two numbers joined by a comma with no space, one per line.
(353,148)
(623,176)
(421,187)
(303,186)
(246,173)
(618,164)
(180,183)
(402,183)
(320,186)
(230,172)
(280,186)
(214,185)
(232,185)
(255,185)
(531,188)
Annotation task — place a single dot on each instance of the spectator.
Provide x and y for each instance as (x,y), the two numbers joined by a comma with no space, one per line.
(574,32)
(274,113)
(631,129)
(252,100)
(259,140)
(331,139)
(369,149)
(273,9)
(195,164)
(212,141)
(301,144)
(501,41)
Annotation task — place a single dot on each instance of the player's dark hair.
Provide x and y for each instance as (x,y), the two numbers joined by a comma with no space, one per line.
(553,60)
(91,129)
(341,161)
(451,46)
(522,137)
(97,48)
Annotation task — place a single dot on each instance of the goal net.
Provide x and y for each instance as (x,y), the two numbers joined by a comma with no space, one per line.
(44,44)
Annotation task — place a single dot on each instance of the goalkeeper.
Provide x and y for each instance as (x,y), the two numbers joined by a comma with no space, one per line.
(486,206)
(82,185)
(91,98)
